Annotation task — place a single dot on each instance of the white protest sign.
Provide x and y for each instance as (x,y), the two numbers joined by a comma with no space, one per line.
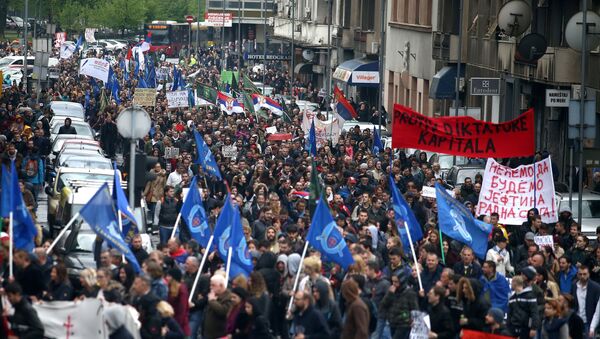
(229,151)
(324,130)
(544,241)
(66,51)
(511,192)
(418,329)
(145,96)
(96,68)
(171,152)
(89,35)
(177,99)
(429,192)
(185,190)
(271,130)
(60,38)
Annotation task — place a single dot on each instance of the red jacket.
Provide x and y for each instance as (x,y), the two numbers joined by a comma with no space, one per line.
(181,308)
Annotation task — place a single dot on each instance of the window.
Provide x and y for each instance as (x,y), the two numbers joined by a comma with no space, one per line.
(347,14)
(367,22)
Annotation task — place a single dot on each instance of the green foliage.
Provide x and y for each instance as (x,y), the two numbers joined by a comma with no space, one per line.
(121,14)
(174,9)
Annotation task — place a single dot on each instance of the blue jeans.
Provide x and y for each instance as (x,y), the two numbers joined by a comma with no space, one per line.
(196,319)
(382,330)
(164,233)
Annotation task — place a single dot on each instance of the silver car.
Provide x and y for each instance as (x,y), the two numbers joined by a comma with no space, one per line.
(590,218)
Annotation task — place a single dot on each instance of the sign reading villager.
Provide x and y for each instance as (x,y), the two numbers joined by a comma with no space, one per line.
(511,192)
(463,135)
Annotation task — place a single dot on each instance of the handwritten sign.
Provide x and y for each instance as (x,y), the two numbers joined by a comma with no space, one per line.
(229,151)
(511,192)
(463,135)
(544,241)
(145,96)
(271,130)
(177,99)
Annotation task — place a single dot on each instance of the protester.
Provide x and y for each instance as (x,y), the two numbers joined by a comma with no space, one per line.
(24,323)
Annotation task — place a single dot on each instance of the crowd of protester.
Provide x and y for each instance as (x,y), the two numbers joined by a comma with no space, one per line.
(519,289)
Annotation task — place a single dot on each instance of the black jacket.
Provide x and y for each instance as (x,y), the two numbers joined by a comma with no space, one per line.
(64,129)
(169,208)
(31,280)
(25,323)
(59,292)
(312,322)
(441,321)
(523,312)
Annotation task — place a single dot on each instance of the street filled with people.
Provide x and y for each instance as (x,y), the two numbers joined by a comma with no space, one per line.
(292,235)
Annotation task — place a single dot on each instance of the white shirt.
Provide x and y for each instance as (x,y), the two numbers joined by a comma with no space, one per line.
(581,295)
(174,179)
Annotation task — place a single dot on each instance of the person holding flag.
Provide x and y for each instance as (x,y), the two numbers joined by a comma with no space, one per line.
(312,139)
(100,213)
(205,157)
(127,223)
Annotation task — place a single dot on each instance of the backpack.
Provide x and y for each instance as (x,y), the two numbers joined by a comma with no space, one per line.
(31,168)
(372,313)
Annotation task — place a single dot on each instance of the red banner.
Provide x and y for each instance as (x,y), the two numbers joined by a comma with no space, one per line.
(279,137)
(469,334)
(464,135)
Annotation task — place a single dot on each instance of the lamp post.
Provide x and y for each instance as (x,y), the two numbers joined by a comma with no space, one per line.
(26,47)
(293,49)
(382,60)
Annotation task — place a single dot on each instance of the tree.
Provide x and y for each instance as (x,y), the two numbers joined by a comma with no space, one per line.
(74,16)
(121,15)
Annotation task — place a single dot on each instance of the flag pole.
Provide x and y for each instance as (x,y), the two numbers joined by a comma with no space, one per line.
(62,232)
(175,226)
(229,252)
(442,246)
(10,244)
(297,277)
(414,255)
(121,230)
(207,250)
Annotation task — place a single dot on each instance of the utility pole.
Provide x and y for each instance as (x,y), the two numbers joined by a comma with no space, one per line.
(26,48)
(582,93)
(292,52)
(264,4)
(459,59)
(381,60)
(239,40)
(198,28)
(328,66)
(223,40)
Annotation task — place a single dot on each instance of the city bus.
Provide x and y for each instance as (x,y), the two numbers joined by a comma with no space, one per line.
(172,36)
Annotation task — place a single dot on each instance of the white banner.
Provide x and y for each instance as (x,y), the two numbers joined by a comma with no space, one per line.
(177,99)
(89,35)
(324,130)
(73,320)
(66,51)
(429,192)
(96,68)
(544,241)
(60,38)
(512,192)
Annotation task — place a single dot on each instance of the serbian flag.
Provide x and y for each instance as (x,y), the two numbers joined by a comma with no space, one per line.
(342,106)
(470,334)
(228,104)
(261,101)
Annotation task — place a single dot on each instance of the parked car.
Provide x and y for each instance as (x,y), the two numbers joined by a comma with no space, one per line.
(15,62)
(11,25)
(457,174)
(590,218)
(20,23)
(82,128)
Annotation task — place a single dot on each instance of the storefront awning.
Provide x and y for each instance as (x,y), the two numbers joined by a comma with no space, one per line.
(358,72)
(443,84)
(303,68)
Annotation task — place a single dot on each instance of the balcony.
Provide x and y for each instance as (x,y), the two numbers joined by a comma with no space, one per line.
(307,33)
(558,65)
(445,47)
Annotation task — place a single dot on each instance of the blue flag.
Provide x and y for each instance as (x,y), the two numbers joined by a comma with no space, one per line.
(130,227)
(403,215)
(24,230)
(194,215)
(87,99)
(377,144)
(205,157)
(79,43)
(312,139)
(324,236)
(191,98)
(459,224)
(101,215)
(95,88)
(176,78)
(142,82)
(151,78)
(228,233)
(6,203)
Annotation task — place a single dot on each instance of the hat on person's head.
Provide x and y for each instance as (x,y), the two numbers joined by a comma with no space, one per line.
(242,293)
(565,209)
(529,272)
(175,273)
(497,314)
(352,180)
(529,236)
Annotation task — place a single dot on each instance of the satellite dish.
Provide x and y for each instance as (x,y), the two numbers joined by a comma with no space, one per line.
(573,31)
(514,17)
(308,54)
(531,47)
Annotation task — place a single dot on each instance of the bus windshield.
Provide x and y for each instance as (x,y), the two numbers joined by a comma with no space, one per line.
(160,37)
